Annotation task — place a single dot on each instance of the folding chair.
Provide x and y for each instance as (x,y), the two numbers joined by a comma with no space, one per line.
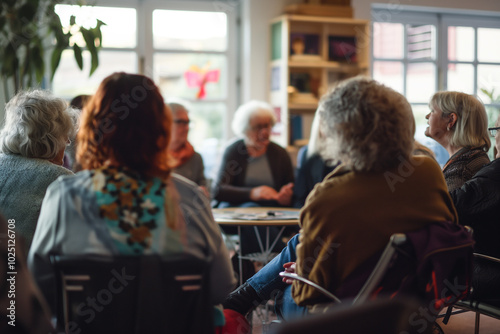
(482,300)
(132,294)
(432,265)
(386,259)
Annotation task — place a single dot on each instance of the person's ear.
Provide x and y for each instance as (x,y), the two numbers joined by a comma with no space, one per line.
(453,120)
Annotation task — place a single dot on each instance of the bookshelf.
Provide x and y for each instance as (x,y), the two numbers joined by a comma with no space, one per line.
(309,54)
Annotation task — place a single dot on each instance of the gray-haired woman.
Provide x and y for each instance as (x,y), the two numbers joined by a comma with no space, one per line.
(37,129)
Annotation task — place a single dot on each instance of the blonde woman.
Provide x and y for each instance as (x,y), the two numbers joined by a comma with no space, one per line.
(458,122)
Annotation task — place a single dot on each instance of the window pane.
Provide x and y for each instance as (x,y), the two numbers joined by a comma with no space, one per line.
(69,81)
(420,82)
(461,78)
(120,30)
(191,75)
(461,43)
(488,83)
(174,29)
(421,41)
(389,73)
(420,111)
(488,48)
(387,40)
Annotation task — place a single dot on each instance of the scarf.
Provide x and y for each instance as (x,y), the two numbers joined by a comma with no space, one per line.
(182,154)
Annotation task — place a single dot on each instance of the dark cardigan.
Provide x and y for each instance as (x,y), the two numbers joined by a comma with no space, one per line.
(230,183)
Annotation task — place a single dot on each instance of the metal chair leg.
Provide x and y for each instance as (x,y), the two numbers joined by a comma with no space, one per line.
(476,326)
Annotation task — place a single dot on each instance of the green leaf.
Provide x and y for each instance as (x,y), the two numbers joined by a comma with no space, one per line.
(72,20)
(55,59)
(89,37)
(97,31)
(78,55)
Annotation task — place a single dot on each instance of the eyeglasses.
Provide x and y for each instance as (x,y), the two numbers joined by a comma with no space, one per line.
(493,131)
(182,122)
(258,127)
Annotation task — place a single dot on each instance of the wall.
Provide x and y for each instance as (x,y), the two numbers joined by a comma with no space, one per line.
(255,82)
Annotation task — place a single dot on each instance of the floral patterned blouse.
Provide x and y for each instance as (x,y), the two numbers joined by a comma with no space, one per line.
(113,210)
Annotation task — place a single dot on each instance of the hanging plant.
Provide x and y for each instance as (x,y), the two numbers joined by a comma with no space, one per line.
(31,32)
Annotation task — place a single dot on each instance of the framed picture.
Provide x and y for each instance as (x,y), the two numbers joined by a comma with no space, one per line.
(342,49)
(304,44)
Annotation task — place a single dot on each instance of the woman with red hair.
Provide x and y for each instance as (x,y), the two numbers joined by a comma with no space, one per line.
(126,201)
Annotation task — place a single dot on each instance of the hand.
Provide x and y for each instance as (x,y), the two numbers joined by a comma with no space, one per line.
(263,193)
(285,195)
(289,268)
(204,190)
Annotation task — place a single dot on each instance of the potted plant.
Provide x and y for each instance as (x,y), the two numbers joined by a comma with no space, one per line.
(31,32)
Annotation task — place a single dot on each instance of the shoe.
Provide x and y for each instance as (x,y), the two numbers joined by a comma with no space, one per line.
(243,300)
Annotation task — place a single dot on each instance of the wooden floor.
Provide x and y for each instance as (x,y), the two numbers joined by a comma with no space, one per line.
(459,324)
(464,324)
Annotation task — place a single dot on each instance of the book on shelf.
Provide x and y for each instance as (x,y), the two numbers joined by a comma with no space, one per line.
(342,49)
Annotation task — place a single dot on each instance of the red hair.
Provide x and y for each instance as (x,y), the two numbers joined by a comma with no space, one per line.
(127,123)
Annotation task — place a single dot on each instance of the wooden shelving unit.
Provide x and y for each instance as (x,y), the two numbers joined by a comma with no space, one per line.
(334,49)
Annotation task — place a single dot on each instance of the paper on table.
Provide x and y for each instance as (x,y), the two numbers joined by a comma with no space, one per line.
(268,215)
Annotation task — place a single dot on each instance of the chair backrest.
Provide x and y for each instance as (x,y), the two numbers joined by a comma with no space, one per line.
(132,294)
(433,264)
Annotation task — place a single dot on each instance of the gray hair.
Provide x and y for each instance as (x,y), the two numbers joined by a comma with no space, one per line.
(245,112)
(37,125)
(368,126)
(176,105)
(471,127)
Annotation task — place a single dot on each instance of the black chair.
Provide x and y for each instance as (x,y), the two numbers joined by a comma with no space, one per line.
(484,297)
(132,294)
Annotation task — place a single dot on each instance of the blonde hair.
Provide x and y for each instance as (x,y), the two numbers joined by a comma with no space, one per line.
(368,126)
(471,127)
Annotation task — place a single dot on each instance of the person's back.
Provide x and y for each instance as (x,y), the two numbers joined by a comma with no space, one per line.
(126,201)
(32,143)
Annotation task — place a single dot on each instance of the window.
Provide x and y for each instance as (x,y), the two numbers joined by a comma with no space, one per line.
(164,40)
(118,53)
(419,53)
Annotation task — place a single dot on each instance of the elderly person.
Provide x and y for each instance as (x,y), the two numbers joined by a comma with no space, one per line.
(126,200)
(311,167)
(37,129)
(350,216)
(478,203)
(458,122)
(254,171)
(185,161)
(253,168)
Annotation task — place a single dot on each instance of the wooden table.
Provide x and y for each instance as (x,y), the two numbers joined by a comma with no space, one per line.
(257,216)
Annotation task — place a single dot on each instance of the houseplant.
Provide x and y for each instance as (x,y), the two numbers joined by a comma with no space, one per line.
(31,35)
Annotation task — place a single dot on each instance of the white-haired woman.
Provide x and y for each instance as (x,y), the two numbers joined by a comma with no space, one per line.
(254,171)
(458,122)
(37,129)
(311,167)
(351,215)
(253,168)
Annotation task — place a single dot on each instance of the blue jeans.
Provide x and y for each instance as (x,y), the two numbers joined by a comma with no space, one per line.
(269,285)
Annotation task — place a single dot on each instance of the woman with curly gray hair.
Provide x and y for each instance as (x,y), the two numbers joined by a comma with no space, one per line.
(37,129)
(378,190)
